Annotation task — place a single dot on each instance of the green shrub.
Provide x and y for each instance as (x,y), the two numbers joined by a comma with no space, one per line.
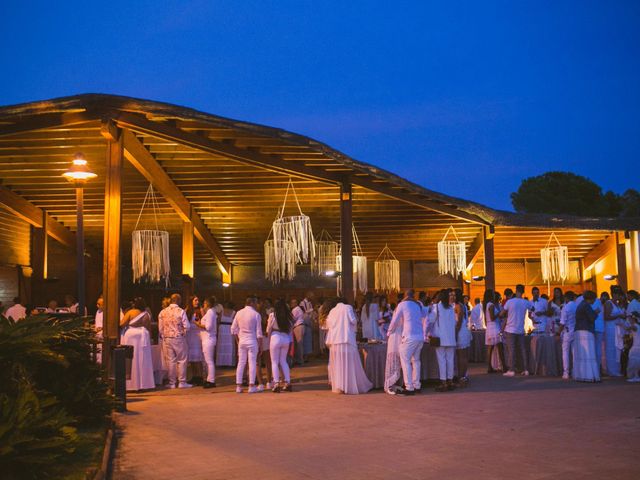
(49,385)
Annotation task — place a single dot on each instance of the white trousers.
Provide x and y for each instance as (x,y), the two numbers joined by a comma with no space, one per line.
(175,350)
(410,360)
(208,349)
(445,356)
(567,344)
(278,348)
(248,352)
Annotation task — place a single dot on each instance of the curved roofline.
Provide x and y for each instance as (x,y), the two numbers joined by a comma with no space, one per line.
(102,101)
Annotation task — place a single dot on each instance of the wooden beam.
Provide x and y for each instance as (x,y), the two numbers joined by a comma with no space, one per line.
(621,257)
(187,249)
(475,250)
(346,241)
(601,250)
(45,121)
(136,153)
(34,215)
(489,258)
(40,250)
(277,164)
(112,239)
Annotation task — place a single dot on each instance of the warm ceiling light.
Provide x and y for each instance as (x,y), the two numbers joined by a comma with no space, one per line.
(332,274)
(225,285)
(610,277)
(477,278)
(467,281)
(79,171)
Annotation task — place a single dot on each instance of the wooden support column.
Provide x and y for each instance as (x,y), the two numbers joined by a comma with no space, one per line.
(39,261)
(346,241)
(621,254)
(489,258)
(112,234)
(187,260)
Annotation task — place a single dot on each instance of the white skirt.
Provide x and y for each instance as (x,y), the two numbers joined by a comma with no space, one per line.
(464,338)
(226,347)
(194,342)
(142,362)
(492,335)
(585,366)
(346,373)
(392,367)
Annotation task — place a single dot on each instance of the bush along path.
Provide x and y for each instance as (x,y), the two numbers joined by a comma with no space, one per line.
(54,405)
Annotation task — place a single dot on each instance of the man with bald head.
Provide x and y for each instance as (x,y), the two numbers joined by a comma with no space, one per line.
(172,327)
(407,319)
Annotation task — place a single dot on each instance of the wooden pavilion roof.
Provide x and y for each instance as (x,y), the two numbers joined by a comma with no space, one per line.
(233,176)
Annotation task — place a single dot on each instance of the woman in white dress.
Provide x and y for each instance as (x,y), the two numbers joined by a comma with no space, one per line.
(442,325)
(614,317)
(463,339)
(226,351)
(194,341)
(493,340)
(346,373)
(136,322)
(369,316)
(585,366)
(208,335)
(279,325)
(385,316)
(633,367)
(393,367)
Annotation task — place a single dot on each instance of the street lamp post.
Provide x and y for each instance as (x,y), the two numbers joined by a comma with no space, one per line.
(78,174)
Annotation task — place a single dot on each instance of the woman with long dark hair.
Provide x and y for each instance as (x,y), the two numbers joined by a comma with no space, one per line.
(492,335)
(194,342)
(279,327)
(463,338)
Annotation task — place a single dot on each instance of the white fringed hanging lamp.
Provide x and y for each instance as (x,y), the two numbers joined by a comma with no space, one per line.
(360,279)
(150,248)
(279,267)
(293,233)
(554,261)
(452,254)
(387,271)
(326,253)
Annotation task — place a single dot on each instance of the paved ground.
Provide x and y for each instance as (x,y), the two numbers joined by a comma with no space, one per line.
(524,428)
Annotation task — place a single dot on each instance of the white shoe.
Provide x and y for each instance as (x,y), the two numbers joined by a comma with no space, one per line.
(172,386)
(238,389)
(525,373)
(184,385)
(261,388)
(510,373)
(390,392)
(565,376)
(634,380)
(269,386)
(253,389)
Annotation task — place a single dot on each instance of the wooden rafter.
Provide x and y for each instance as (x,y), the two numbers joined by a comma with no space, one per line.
(136,153)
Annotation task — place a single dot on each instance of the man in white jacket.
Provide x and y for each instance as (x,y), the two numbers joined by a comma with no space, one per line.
(408,319)
(247,325)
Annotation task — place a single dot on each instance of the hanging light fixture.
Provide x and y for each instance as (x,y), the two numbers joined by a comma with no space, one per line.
(554,261)
(452,254)
(293,232)
(279,266)
(79,171)
(360,278)
(387,271)
(326,253)
(150,248)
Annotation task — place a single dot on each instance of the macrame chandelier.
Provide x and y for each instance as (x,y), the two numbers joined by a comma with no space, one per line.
(326,253)
(387,271)
(293,234)
(359,267)
(554,261)
(452,254)
(279,267)
(150,248)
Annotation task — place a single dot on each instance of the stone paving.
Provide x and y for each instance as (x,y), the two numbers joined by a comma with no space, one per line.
(524,428)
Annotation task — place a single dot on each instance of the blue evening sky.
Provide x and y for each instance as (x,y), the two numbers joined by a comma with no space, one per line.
(465,98)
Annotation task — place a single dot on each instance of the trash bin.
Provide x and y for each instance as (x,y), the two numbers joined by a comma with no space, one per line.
(128,355)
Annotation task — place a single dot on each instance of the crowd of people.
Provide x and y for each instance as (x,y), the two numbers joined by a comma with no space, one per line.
(266,339)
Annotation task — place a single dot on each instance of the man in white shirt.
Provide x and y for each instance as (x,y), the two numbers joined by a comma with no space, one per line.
(298,332)
(172,327)
(538,313)
(568,325)
(408,319)
(477,316)
(17,311)
(515,311)
(247,325)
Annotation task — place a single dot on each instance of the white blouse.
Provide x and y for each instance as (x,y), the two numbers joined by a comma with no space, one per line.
(442,323)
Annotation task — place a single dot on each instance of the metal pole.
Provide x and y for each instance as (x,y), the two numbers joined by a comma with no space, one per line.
(80,248)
